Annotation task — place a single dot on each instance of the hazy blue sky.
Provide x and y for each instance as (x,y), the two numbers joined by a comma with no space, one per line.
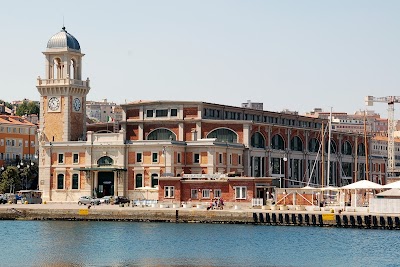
(287,54)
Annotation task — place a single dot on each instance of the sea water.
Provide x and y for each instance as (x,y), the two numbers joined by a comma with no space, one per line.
(84,243)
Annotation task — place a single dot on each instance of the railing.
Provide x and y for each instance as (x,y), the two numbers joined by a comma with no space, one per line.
(257,202)
(63,82)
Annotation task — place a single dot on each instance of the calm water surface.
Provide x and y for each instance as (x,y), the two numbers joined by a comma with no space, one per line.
(56,243)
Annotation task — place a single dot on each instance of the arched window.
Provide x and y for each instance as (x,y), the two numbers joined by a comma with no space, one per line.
(223,135)
(105,161)
(361,150)
(154,180)
(161,134)
(296,144)
(57,71)
(257,140)
(333,147)
(313,145)
(346,148)
(277,142)
(139,180)
(75,181)
(72,69)
(60,181)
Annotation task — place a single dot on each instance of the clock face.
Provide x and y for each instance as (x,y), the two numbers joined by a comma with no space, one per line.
(77,104)
(54,103)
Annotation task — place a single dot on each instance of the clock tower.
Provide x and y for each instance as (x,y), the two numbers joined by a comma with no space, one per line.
(63,92)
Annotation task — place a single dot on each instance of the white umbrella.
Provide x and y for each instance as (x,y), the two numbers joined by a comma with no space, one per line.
(392,185)
(363,184)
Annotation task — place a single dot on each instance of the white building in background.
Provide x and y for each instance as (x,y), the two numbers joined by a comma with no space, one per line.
(101,111)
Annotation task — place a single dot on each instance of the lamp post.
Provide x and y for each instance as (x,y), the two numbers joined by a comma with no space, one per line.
(164,151)
(280,169)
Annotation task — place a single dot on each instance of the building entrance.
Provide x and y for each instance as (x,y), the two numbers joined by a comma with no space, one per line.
(106,184)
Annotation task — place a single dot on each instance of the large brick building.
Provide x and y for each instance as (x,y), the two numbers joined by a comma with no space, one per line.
(171,138)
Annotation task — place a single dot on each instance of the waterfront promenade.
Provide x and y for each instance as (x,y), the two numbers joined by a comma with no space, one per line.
(72,211)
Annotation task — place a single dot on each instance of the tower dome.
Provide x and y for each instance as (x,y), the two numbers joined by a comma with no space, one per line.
(63,39)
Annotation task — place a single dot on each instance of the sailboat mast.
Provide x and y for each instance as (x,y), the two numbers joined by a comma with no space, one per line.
(366,148)
(322,155)
(329,148)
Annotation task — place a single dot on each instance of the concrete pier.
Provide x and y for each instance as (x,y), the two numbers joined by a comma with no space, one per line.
(187,215)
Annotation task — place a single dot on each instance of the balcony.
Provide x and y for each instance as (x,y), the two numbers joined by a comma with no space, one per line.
(62,82)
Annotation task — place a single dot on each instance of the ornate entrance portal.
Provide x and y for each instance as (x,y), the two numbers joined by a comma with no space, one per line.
(105,184)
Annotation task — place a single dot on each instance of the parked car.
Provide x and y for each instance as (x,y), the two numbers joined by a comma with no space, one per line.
(88,200)
(121,200)
(3,199)
(106,200)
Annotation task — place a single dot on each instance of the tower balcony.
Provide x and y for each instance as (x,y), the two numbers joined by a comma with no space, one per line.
(62,82)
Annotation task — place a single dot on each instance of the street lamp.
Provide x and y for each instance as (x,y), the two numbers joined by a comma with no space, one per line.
(280,170)
(164,151)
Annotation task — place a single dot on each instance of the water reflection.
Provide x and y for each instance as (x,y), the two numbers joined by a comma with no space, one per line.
(72,243)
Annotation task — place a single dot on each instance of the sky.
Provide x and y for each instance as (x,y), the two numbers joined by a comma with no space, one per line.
(296,55)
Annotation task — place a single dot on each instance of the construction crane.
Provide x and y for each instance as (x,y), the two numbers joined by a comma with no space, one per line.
(390,100)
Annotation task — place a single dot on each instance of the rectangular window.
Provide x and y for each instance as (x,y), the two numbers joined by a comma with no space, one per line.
(161,112)
(240,192)
(8,130)
(61,158)
(138,157)
(178,158)
(149,113)
(75,181)
(239,159)
(220,158)
(174,112)
(196,158)
(155,157)
(230,159)
(193,194)
(169,192)
(217,193)
(12,142)
(206,193)
(32,143)
(75,158)
(2,142)
(26,143)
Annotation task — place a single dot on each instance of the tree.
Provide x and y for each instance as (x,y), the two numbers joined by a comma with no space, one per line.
(9,179)
(28,174)
(27,107)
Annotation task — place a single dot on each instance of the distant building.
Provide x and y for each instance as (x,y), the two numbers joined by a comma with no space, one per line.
(18,140)
(253,105)
(341,121)
(100,111)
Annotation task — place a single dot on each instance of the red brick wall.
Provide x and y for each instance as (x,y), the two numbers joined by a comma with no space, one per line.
(177,190)
(132,114)
(132,132)
(188,131)
(190,112)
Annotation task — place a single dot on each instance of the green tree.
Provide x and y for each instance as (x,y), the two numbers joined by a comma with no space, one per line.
(27,107)
(9,179)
